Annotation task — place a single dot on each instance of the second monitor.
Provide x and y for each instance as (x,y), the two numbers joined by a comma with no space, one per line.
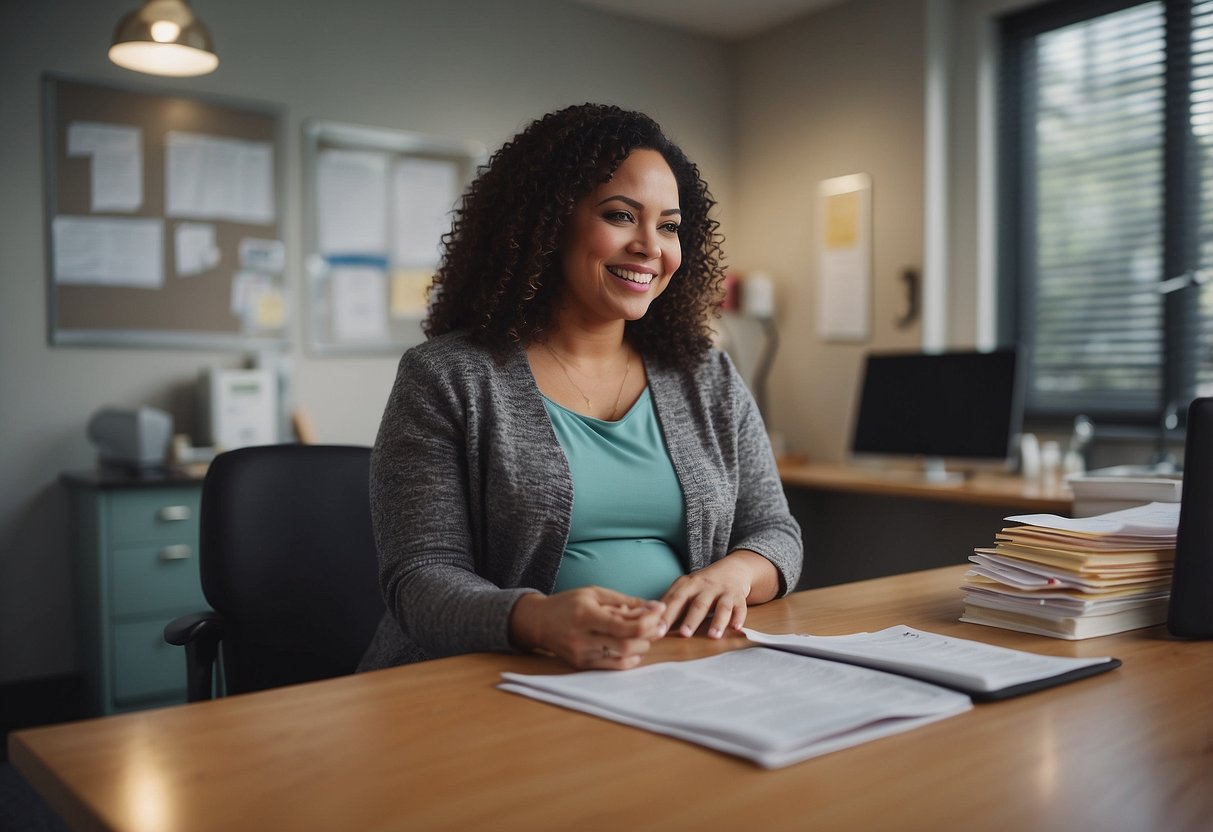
(954,409)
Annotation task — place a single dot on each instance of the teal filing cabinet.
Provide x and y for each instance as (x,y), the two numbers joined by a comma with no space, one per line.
(135,542)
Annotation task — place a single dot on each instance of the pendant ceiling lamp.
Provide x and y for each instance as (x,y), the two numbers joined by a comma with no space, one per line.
(164,37)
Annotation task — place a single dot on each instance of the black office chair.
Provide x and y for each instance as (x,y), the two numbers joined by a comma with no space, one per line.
(288,564)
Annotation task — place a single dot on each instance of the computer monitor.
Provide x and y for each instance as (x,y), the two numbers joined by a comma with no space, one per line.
(957,410)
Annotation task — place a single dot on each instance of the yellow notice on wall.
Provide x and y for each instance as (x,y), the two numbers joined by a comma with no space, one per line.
(409,291)
(270,310)
(842,220)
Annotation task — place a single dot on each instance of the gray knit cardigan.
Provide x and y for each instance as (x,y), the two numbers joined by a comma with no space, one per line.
(471,495)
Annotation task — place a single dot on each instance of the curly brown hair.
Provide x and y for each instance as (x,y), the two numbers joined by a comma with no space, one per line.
(500,273)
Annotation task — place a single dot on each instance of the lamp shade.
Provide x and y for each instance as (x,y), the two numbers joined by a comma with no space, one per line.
(164,37)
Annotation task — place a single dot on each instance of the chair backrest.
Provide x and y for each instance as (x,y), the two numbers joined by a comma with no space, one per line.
(287,557)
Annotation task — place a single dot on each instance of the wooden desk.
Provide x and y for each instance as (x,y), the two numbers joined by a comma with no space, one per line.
(1002,491)
(861,524)
(435,746)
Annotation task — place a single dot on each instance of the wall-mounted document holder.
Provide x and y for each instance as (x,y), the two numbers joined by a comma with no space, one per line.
(377,203)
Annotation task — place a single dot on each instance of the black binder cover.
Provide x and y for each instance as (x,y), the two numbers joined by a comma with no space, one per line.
(1039,684)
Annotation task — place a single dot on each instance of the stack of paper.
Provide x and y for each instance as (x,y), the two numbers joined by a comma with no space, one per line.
(1076,578)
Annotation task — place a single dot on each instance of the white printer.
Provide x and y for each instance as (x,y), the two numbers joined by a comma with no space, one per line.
(237,408)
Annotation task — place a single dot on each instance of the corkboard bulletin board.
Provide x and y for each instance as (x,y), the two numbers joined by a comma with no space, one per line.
(90,300)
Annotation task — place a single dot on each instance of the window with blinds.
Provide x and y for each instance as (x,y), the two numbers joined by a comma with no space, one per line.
(1107,240)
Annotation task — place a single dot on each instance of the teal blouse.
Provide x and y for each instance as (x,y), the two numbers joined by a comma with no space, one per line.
(628,527)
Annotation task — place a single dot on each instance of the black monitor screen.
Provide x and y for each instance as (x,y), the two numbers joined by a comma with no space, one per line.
(961,405)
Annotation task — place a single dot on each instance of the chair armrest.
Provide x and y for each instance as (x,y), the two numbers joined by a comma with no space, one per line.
(200,634)
(186,628)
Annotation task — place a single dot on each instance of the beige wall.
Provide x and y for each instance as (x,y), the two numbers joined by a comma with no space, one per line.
(836,93)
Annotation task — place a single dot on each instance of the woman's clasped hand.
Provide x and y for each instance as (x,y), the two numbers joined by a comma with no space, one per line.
(589,627)
(598,628)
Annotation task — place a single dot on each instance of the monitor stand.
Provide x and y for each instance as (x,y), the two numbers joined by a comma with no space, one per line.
(934,471)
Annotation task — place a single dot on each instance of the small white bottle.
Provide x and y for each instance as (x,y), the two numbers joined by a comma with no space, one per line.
(1073,463)
(1050,460)
(1029,456)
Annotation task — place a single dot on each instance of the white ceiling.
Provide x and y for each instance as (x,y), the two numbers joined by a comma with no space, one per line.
(725,19)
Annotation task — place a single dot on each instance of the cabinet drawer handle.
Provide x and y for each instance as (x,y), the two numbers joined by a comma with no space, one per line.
(177,551)
(171,513)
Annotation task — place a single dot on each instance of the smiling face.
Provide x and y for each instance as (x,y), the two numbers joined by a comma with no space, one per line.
(621,244)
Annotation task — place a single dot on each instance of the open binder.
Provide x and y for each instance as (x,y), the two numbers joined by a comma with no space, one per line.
(799,697)
(983,672)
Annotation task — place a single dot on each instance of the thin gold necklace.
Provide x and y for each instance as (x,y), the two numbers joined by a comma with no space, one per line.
(589,407)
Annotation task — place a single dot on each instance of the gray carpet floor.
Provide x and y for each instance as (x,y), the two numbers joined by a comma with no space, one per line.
(21,810)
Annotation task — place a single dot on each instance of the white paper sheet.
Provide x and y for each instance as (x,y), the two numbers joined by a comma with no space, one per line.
(258,301)
(194,248)
(116,173)
(359,303)
(771,707)
(1027,574)
(103,251)
(425,191)
(211,177)
(1056,605)
(843,303)
(1152,520)
(246,287)
(351,196)
(267,256)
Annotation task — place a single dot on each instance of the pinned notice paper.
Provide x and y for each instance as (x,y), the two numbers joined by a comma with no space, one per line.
(351,197)
(270,311)
(359,303)
(257,301)
(844,260)
(247,286)
(410,288)
(108,252)
(194,248)
(425,191)
(116,174)
(212,177)
(267,256)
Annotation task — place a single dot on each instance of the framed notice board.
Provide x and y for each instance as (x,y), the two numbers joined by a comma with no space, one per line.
(163,219)
(377,203)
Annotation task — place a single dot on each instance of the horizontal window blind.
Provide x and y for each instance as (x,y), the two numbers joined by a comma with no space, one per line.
(1202,131)
(1109,200)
